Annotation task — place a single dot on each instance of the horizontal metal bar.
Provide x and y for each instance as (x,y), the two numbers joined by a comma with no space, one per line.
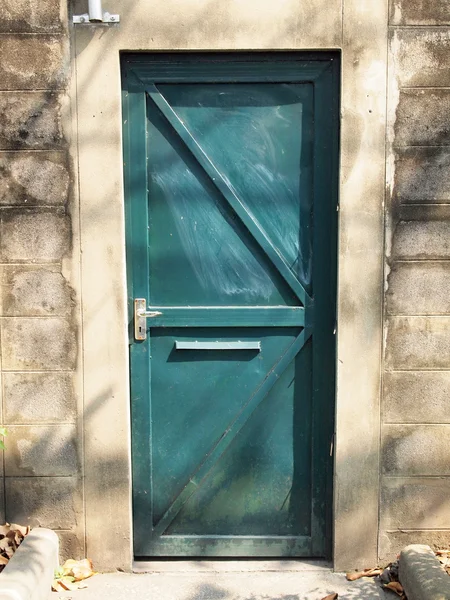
(217,345)
(229,316)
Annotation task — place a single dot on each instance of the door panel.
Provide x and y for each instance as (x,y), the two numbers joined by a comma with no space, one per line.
(249,489)
(199,254)
(231,235)
(195,387)
(273,176)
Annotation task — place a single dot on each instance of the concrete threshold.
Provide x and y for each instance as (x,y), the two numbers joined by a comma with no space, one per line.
(229,566)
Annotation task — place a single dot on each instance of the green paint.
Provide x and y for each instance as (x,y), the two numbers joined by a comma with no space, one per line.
(231,195)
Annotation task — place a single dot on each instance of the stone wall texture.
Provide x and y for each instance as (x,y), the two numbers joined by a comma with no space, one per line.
(38,331)
(415,437)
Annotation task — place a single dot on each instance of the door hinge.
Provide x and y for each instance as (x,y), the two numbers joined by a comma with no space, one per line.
(332,445)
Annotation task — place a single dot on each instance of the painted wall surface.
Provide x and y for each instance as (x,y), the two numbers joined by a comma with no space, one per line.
(64,364)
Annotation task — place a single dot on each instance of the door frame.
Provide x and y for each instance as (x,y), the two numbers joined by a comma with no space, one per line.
(92,122)
(322,70)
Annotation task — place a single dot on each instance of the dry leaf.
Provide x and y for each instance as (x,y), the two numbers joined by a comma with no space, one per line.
(365,573)
(395,586)
(72,574)
(11,536)
(67,566)
(4,543)
(65,585)
(83,569)
(22,530)
(331,597)
(79,569)
(55,586)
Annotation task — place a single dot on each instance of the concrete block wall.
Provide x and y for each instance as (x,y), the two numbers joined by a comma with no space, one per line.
(38,326)
(415,437)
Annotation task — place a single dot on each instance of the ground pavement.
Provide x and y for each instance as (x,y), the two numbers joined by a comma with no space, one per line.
(228,580)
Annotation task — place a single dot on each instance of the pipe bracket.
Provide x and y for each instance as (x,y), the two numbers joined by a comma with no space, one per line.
(107,18)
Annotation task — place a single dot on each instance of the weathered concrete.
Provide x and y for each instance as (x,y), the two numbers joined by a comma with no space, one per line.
(41,451)
(408,503)
(421,117)
(29,573)
(34,112)
(419,288)
(359,281)
(414,498)
(39,398)
(30,120)
(37,344)
(70,546)
(34,292)
(392,542)
(32,16)
(53,502)
(423,240)
(421,56)
(231,566)
(417,343)
(416,397)
(33,178)
(213,25)
(423,212)
(415,450)
(419,12)
(309,583)
(47,235)
(422,175)
(422,575)
(33,62)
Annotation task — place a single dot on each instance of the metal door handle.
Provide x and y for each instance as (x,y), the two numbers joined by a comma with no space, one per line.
(148,314)
(141,314)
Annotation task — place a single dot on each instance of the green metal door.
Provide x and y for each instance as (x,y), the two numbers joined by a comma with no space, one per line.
(230,175)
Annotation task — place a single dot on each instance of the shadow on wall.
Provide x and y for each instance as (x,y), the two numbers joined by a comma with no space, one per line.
(45,486)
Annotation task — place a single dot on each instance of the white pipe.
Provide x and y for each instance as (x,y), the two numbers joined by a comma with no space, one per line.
(95,10)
